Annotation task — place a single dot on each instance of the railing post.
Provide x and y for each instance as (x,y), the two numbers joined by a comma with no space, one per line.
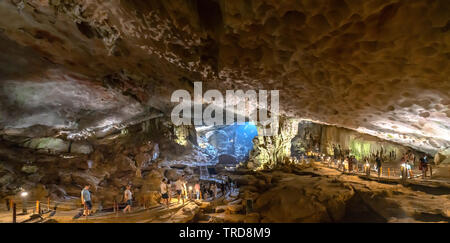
(14,213)
(8,204)
(389,172)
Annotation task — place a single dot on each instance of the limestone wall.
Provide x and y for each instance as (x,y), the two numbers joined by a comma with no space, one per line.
(360,145)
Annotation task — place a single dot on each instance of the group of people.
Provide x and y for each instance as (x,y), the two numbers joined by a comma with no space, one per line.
(408,161)
(407,164)
(210,189)
(86,200)
(424,166)
(199,191)
(350,163)
(377,161)
(166,188)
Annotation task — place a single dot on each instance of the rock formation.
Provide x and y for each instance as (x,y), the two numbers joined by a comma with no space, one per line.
(379,67)
(86,86)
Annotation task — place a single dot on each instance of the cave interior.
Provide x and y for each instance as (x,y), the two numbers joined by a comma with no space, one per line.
(86,87)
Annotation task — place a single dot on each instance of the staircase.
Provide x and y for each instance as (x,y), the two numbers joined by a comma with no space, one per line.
(204,174)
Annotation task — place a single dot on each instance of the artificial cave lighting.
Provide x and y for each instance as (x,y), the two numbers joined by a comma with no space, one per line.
(217,111)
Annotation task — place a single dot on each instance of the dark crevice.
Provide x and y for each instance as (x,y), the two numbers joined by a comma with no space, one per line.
(209,14)
(357,211)
(427,217)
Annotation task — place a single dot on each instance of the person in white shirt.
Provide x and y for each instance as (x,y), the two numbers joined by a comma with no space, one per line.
(128,198)
(86,200)
(164,192)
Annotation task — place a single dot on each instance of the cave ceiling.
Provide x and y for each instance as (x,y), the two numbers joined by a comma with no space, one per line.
(378,67)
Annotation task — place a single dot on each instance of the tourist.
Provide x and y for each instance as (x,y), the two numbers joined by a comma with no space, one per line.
(179,188)
(222,188)
(169,186)
(184,188)
(378,162)
(403,168)
(335,152)
(164,192)
(350,164)
(86,200)
(409,158)
(367,166)
(203,191)
(210,189)
(355,163)
(226,185)
(345,164)
(197,190)
(128,198)
(215,190)
(424,166)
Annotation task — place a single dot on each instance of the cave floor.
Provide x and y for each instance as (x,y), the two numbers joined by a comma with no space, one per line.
(316,193)
(328,195)
(175,213)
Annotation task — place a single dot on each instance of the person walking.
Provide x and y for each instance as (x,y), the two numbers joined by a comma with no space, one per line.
(222,188)
(128,198)
(164,192)
(424,166)
(86,200)
(367,167)
(197,190)
(350,164)
(378,161)
(203,191)
(215,190)
(179,188)
(169,189)
(184,188)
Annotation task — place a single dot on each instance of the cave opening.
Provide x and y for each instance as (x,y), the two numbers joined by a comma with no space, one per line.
(230,144)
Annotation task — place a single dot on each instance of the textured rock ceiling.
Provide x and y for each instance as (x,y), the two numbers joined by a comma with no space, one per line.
(379,67)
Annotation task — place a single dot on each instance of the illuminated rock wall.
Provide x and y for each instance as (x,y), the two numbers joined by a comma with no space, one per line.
(271,151)
(296,138)
(327,139)
(307,139)
(360,145)
(185,134)
(59,167)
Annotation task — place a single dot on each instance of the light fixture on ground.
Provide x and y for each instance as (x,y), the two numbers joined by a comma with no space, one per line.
(24,196)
